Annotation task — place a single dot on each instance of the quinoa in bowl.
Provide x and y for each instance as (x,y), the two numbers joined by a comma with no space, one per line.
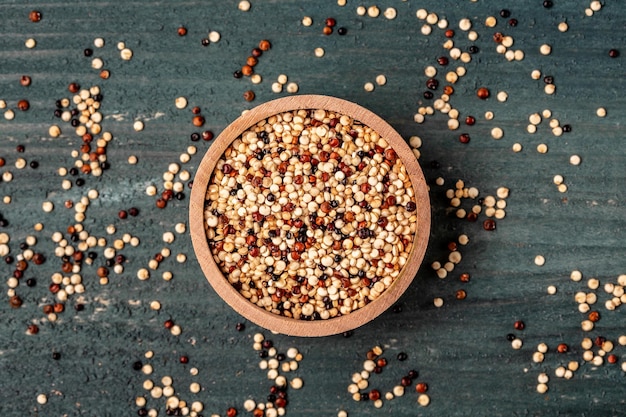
(310,214)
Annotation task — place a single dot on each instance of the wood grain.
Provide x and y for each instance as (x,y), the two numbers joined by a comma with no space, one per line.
(273,321)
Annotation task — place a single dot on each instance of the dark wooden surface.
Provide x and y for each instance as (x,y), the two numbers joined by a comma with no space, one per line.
(460,349)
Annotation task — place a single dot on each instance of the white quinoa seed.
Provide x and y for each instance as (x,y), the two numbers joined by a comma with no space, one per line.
(30,43)
(465,24)
(576,275)
(516,343)
(430,71)
(180,102)
(296,383)
(432,18)
(319,52)
(563,27)
(126,54)
(601,112)
(390,13)
(277,87)
(214,36)
(534,118)
(423,400)
(438,302)
(542,388)
(54,131)
(42,399)
(517,147)
(147,369)
(361,10)
(373,11)
(490,21)
(552,290)
(542,148)
(540,260)
(381,80)
(502,96)
(574,160)
(244,5)
(545,49)
(138,126)
(307,21)
(97,63)
(249,405)
(586,325)
(292,88)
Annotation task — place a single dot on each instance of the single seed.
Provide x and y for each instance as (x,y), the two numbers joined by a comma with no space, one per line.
(540,260)
(249,95)
(23,105)
(482,93)
(35,16)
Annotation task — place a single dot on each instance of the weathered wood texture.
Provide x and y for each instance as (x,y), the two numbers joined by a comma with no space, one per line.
(460,349)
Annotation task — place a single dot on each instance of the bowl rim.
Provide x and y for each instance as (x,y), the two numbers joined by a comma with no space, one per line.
(238,302)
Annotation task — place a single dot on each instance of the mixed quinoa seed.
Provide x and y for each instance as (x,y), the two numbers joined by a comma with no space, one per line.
(310,214)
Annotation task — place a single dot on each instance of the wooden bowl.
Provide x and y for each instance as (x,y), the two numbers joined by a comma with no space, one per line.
(246,308)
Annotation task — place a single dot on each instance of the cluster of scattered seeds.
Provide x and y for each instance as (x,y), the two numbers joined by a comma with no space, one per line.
(381,80)
(594,6)
(283,81)
(492,206)
(374,364)
(310,214)
(614,290)
(163,389)
(174,180)
(504,42)
(515,339)
(276,364)
(454,258)
(535,120)
(596,350)
(247,69)
(455,54)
